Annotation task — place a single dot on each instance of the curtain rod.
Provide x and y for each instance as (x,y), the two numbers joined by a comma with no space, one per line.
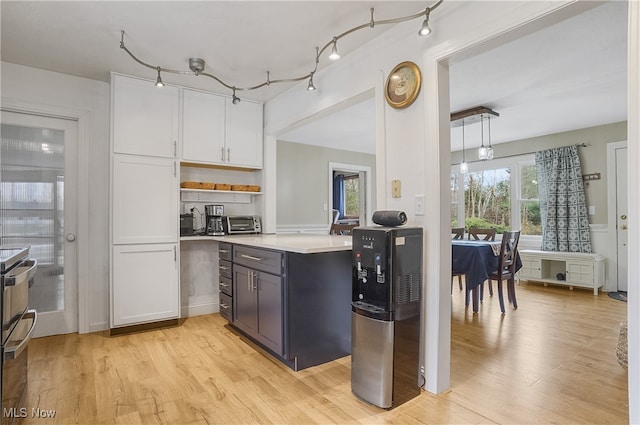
(580,145)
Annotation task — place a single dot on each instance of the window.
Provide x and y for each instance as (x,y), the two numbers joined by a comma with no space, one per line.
(502,194)
(352,196)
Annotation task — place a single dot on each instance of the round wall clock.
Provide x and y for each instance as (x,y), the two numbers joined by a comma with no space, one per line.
(403,85)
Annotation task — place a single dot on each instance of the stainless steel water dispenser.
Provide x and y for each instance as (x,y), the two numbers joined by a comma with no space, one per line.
(385,314)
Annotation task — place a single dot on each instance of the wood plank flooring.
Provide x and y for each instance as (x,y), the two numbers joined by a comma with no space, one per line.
(550,361)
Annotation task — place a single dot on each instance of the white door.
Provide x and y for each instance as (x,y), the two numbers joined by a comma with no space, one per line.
(621,217)
(38,206)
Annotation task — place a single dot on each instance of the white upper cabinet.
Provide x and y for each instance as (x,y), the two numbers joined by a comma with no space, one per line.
(145,117)
(215,131)
(203,127)
(244,134)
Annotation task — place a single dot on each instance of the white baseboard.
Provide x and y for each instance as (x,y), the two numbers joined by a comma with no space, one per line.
(200,305)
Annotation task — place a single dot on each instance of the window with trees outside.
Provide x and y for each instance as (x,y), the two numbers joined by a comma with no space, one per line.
(500,194)
(352,196)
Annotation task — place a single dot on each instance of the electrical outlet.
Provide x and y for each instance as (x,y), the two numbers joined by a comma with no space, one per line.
(396,189)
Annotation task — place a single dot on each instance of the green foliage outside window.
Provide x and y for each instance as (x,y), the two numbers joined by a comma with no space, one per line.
(352,197)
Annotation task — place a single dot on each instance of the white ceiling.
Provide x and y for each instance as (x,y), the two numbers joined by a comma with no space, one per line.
(568,76)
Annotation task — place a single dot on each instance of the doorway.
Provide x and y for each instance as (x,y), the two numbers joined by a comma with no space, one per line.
(38,207)
(617,198)
(349,193)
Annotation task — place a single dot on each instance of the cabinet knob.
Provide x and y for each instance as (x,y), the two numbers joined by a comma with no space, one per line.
(71,237)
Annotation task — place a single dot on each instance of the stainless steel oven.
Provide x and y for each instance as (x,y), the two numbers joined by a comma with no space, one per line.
(18,323)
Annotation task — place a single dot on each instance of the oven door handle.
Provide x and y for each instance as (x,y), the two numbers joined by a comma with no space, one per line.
(31,271)
(11,353)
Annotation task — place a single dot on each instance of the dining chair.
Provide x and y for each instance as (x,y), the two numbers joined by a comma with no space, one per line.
(457,233)
(482,234)
(341,229)
(506,270)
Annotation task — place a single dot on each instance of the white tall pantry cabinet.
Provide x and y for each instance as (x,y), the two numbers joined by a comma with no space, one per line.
(145,283)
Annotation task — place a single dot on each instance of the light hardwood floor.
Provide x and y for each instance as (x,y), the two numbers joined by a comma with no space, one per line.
(550,361)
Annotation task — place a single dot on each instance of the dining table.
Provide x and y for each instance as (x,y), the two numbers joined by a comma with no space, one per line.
(476,260)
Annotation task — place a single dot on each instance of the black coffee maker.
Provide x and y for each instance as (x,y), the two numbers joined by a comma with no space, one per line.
(213,217)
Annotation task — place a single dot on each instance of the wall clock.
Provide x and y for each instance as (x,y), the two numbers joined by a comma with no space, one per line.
(403,85)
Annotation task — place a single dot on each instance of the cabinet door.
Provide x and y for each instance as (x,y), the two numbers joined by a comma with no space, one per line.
(531,268)
(203,132)
(145,286)
(270,311)
(145,117)
(145,200)
(580,273)
(244,134)
(245,300)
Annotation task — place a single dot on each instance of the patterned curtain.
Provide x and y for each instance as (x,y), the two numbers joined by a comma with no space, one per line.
(563,209)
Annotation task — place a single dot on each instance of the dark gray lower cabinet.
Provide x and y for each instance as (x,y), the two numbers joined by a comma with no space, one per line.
(297,306)
(258,307)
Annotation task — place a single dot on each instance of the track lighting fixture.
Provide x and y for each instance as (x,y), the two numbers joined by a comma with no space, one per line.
(334,56)
(197,65)
(425,30)
(159,82)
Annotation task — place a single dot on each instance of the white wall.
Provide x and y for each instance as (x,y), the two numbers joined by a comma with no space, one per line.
(30,89)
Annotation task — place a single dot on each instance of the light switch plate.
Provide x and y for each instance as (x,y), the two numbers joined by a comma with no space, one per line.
(592,210)
(396,189)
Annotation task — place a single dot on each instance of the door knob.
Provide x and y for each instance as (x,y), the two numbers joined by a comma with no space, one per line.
(623,217)
(71,237)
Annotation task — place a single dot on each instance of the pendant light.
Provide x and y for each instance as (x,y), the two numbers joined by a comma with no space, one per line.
(464,167)
(489,149)
(482,151)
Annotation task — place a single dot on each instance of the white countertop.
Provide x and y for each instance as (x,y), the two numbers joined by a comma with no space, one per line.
(299,243)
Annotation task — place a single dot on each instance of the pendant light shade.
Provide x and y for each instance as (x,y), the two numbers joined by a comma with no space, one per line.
(464,167)
(489,149)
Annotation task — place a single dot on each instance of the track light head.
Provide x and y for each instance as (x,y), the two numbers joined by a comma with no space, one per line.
(159,82)
(311,87)
(235,99)
(334,56)
(425,30)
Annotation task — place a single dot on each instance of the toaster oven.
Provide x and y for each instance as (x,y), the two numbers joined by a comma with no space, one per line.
(241,224)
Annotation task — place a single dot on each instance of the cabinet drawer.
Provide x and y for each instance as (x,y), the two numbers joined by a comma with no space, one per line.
(224,251)
(225,268)
(226,306)
(259,259)
(226,285)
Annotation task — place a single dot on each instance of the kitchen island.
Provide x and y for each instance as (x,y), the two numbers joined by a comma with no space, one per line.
(290,293)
